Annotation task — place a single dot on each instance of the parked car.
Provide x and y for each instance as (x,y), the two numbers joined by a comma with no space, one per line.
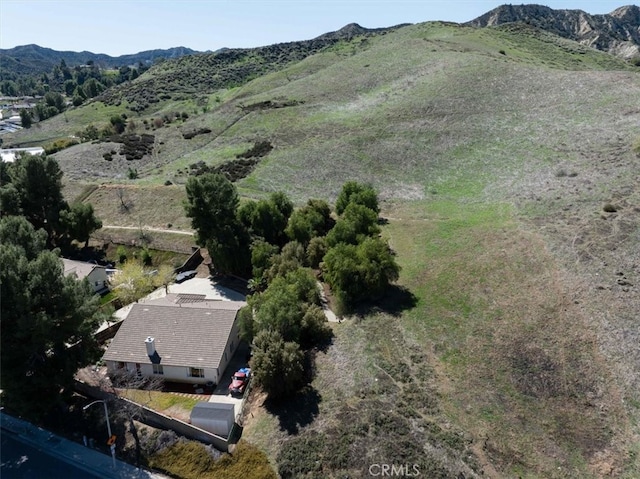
(239,381)
(185,275)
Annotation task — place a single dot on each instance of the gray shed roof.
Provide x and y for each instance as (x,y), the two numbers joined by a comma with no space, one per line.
(212,410)
(192,336)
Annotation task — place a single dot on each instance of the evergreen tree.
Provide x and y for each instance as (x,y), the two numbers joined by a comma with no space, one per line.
(48,321)
(212,202)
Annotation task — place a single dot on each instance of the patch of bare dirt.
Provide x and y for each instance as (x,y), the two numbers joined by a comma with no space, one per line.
(177,412)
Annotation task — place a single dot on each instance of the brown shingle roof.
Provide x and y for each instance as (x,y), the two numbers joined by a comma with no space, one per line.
(192,334)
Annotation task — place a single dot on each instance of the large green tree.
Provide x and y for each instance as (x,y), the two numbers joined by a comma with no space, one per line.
(48,320)
(79,222)
(285,307)
(32,187)
(356,223)
(362,271)
(278,365)
(212,203)
(36,193)
(310,221)
(267,219)
(359,193)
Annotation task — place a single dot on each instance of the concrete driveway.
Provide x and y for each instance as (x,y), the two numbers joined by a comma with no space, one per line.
(206,286)
(221,393)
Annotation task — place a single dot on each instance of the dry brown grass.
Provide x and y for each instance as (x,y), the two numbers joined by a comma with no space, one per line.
(151,206)
(173,242)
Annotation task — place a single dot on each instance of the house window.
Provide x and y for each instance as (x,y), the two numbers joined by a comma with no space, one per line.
(157,369)
(120,365)
(196,372)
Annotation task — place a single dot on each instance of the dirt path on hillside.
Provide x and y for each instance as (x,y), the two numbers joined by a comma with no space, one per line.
(147,228)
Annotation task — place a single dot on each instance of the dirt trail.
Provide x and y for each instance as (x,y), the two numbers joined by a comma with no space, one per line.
(147,228)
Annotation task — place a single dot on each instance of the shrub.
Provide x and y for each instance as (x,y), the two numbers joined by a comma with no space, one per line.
(157,442)
(132,174)
(59,145)
(121,253)
(118,123)
(300,456)
(278,366)
(146,257)
(609,208)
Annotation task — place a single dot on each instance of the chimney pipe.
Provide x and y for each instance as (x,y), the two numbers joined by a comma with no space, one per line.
(150,343)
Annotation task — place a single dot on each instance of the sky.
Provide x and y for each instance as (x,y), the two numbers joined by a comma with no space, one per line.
(119,27)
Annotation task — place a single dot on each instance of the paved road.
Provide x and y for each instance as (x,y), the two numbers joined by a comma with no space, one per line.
(34,453)
(22,461)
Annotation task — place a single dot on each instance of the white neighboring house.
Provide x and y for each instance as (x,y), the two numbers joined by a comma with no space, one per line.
(95,274)
(8,155)
(183,338)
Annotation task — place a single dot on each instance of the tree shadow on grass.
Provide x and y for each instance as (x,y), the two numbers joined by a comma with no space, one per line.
(297,411)
(395,301)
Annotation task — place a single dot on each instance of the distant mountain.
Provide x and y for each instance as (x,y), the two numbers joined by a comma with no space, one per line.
(617,32)
(34,59)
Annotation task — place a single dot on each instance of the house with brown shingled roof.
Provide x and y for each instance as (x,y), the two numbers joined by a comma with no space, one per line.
(177,338)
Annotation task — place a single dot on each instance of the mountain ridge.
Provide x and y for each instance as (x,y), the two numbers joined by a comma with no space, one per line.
(617,32)
(32,58)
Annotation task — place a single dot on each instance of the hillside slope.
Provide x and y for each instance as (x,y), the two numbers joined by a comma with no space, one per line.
(510,346)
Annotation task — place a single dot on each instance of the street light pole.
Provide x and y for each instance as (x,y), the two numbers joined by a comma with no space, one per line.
(106,413)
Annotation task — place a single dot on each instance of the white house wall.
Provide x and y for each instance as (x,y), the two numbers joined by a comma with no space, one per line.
(230,348)
(170,373)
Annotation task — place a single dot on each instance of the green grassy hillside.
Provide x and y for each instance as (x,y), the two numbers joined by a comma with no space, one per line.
(511,347)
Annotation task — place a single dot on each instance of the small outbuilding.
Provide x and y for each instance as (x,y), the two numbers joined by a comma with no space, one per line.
(214,417)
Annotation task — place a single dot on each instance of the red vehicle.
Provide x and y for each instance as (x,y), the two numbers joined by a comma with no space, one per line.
(239,381)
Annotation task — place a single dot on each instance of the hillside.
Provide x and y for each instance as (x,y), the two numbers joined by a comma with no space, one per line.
(617,33)
(509,347)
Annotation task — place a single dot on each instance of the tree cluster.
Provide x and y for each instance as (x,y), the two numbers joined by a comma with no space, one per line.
(278,246)
(32,187)
(48,321)
(78,83)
